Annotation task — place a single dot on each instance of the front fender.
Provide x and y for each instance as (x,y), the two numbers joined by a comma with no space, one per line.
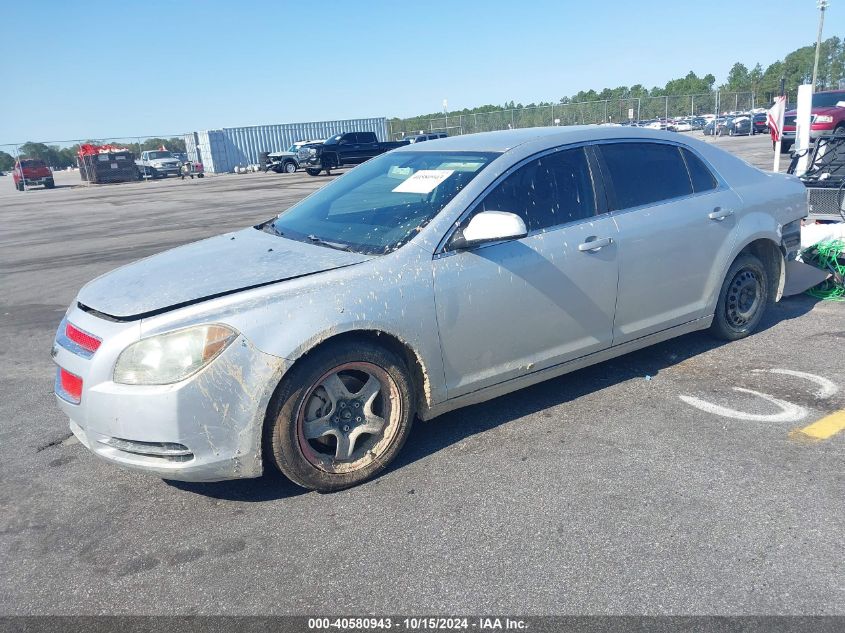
(392,294)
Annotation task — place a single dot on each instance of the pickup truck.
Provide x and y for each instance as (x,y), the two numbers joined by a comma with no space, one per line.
(31,171)
(288,161)
(826,117)
(350,148)
(158,163)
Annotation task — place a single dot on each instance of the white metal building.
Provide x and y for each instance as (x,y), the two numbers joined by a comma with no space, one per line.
(222,150)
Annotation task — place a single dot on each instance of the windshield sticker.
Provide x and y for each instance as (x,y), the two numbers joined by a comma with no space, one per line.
(424,181)
(399,173)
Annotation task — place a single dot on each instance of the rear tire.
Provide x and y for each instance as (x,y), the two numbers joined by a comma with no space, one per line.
(785,146)
(314,427)
(742,299)
(312,171)
(50,184)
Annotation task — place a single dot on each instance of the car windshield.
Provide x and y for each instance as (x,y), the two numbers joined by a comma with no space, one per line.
(154,155)
(383,203)
(293,148)
(827,99)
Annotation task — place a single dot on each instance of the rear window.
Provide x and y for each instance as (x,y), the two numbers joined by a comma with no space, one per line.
(30,162)
(827,99)
(645,173)
(701,177)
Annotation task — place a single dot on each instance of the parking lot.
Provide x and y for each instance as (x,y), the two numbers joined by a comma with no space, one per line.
(674,480)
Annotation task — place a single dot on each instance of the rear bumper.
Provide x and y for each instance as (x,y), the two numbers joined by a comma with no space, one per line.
(41,180)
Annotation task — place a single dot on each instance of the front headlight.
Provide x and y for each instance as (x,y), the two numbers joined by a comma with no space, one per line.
(823,118)
(171,357)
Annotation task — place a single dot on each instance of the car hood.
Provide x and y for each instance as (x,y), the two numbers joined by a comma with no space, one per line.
(280,154)
(210,268)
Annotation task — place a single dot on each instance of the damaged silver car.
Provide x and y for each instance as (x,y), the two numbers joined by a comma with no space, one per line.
(432,277)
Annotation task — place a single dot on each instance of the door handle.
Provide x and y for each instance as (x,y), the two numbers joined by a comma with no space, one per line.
(594,243)
(720,214)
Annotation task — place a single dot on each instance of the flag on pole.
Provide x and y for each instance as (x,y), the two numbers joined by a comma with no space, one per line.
(774,118)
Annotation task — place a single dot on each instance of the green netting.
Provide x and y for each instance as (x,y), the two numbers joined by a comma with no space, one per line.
(830,256)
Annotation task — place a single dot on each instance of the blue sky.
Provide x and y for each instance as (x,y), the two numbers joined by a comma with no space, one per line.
(97,69)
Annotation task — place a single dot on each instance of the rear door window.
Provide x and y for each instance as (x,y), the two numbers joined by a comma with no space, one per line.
(548,191)
(645,173)
(701,177)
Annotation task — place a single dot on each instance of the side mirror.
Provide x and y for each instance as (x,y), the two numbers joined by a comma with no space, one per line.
(488,226)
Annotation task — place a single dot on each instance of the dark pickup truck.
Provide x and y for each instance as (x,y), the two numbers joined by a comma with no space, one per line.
(350,148)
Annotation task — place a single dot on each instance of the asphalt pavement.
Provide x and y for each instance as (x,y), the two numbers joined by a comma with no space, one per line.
(612,490)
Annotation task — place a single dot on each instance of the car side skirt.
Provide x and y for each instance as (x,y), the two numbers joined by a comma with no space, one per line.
(509,386)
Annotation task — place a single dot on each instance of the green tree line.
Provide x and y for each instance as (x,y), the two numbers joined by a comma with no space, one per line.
(61,157)
(795,69)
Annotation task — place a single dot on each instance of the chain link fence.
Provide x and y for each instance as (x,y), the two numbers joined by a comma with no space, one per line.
(119,159)
(625,110)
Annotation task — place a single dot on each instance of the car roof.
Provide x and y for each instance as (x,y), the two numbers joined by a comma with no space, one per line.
(540,137)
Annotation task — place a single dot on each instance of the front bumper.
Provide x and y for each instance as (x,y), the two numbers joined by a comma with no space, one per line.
(207,427)
(814,132)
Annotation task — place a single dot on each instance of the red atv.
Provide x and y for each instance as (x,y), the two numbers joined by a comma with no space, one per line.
(32,171)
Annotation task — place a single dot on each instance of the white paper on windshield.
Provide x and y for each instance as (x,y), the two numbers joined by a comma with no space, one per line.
(424,181)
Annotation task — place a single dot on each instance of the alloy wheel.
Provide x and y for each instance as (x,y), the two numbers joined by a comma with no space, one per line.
(348,417)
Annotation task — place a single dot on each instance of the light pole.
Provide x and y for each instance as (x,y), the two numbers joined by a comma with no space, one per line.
(822,4)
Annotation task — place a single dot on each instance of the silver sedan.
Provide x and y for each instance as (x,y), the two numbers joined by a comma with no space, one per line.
(435,276)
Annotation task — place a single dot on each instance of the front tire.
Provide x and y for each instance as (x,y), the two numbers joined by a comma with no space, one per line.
(290,167)
(742,299)
(341,416)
